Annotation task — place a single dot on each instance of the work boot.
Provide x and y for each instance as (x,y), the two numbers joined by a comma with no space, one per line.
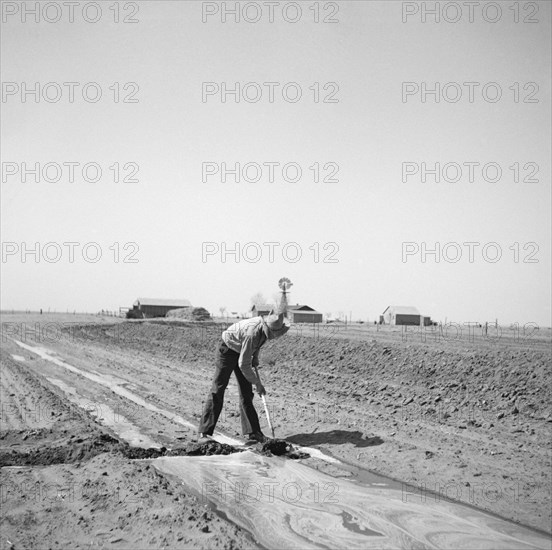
(258,437)
(204,438)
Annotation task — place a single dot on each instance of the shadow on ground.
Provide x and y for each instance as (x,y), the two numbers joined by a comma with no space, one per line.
(336,437)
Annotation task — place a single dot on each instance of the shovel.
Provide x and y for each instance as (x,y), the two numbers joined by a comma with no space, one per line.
(265,407)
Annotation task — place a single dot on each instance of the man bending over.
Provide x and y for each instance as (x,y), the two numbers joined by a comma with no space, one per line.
(238,352)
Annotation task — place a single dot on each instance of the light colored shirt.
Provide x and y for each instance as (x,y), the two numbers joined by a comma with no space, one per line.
(246,338)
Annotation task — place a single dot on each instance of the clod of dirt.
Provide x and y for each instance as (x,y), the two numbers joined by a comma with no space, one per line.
(280,447)
(139,453)
(203,449)
(276,447)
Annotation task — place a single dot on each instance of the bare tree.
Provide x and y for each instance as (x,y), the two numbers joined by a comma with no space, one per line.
(278,302)
(258,299)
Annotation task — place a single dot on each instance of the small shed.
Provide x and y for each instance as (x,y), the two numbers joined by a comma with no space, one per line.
(401,315)
(303,314)
(158,307)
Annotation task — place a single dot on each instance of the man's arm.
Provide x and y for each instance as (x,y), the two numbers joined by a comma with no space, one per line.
(255,360)
(247,360)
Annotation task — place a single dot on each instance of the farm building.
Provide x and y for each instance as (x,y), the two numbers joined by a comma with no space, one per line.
(303,314)
(158,307)
(261,309)
(404,315)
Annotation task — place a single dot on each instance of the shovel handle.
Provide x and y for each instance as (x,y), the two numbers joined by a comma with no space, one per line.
(265,407)
(268,416)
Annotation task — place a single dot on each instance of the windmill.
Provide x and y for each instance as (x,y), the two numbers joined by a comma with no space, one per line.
(285,284)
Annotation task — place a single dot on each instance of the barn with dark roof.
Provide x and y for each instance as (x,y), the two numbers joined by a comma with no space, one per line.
(158,307)
(301,313)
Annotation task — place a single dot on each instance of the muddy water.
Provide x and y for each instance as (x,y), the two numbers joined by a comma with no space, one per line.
(285,504)
(125,429)
(113,383)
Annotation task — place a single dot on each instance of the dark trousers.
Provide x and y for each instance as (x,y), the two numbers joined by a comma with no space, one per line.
(226,363)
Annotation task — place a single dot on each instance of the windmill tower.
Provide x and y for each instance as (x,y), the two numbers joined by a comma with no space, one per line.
(284,283)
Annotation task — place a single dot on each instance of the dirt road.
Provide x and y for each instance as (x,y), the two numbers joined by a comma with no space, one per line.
(468,421)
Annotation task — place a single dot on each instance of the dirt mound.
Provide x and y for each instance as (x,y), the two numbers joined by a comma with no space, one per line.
(190,449)
(81,451)
(204,449)
(139,453)
(76,451)
(280,447)
(272,447)
(190,314)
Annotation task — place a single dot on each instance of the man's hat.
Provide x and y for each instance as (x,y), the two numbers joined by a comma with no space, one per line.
(274,325)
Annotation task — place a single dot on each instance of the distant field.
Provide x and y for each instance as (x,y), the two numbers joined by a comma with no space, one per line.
(36,317)
(453,336)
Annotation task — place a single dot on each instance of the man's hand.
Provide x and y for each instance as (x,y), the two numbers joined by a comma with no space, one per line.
(260,389)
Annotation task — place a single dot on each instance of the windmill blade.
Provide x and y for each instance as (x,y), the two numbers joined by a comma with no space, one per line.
(284,283)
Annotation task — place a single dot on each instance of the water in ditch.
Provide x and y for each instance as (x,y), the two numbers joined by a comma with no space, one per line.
(285,504)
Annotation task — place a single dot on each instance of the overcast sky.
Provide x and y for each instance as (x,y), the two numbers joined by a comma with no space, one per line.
(356,118)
